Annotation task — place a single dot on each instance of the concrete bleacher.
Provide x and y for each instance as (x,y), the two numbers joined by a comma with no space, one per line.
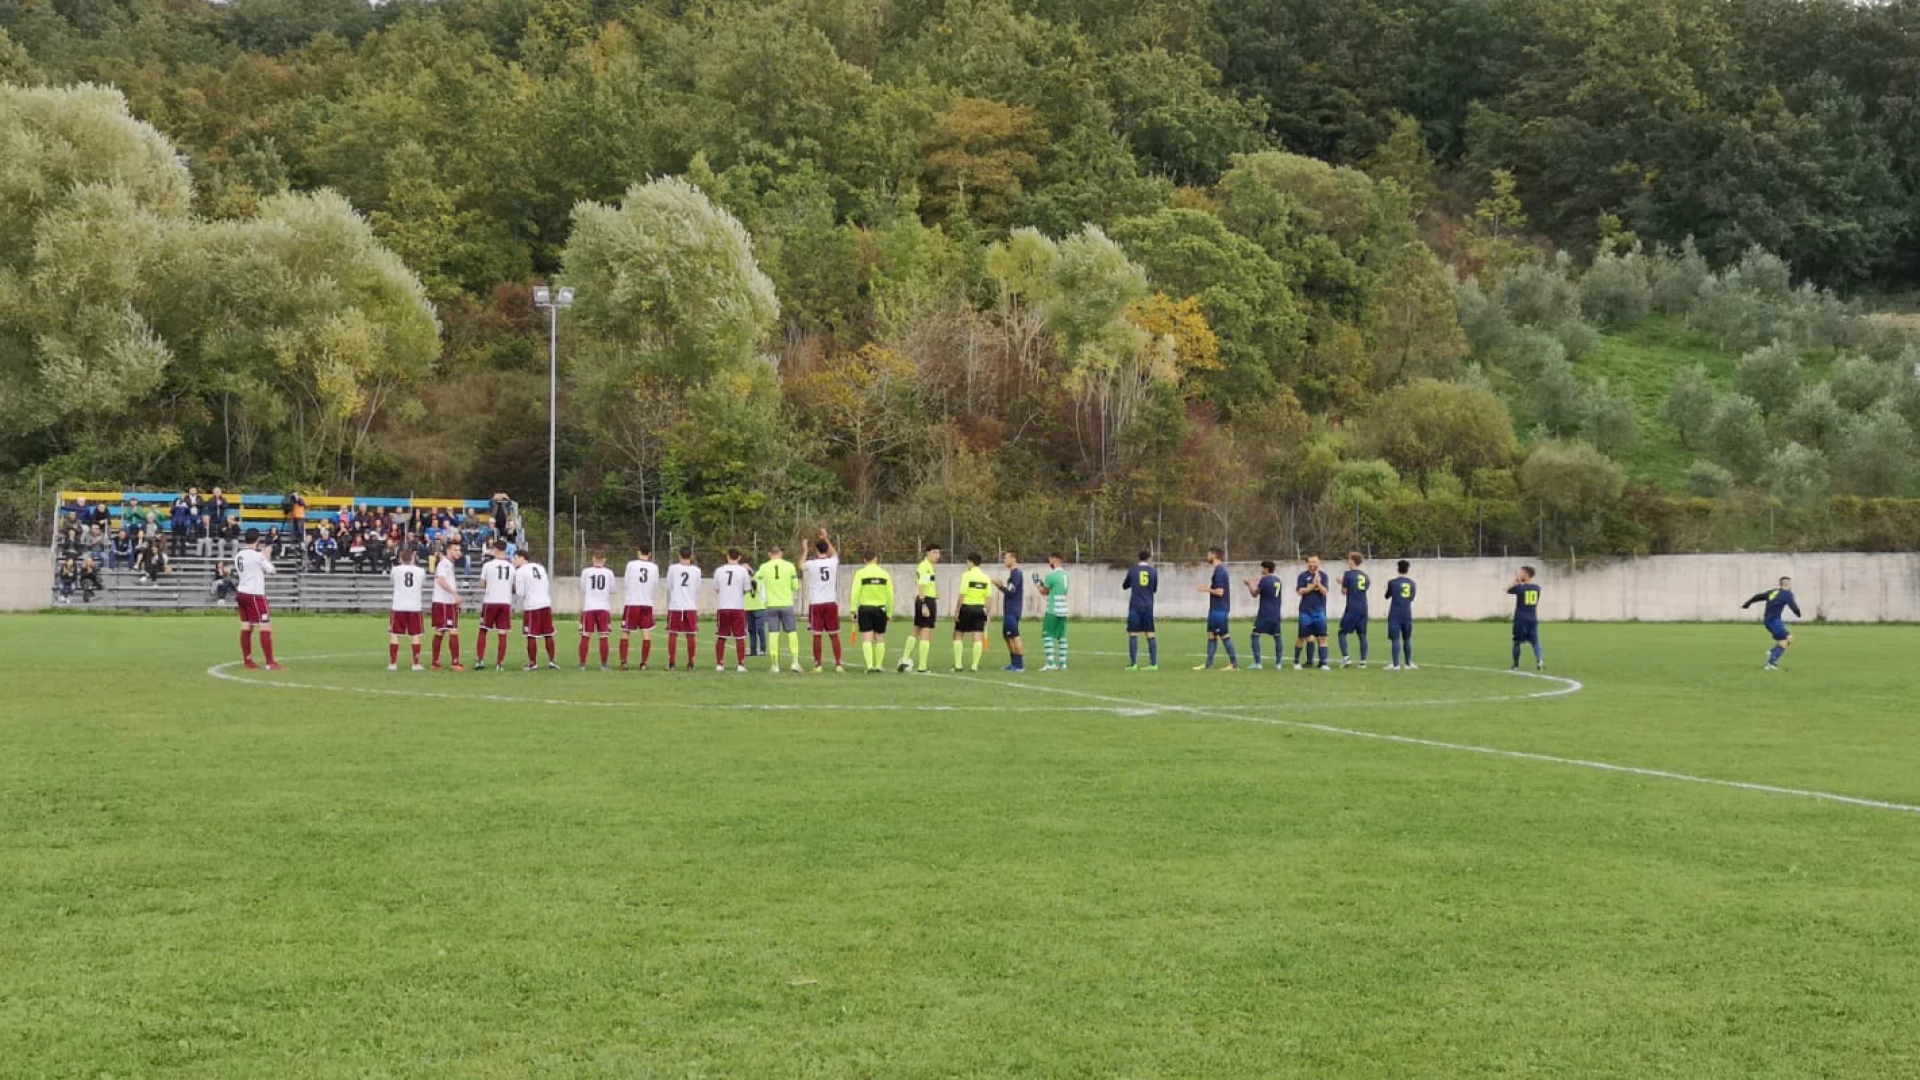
(188,586)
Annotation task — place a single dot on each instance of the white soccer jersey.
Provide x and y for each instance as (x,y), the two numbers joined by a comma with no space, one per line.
(642,576)
(683,587)
(530,584)
(408,580)
(497,575)
(446,584)
(730,587)
(253,568)
(823,579)
(596,589)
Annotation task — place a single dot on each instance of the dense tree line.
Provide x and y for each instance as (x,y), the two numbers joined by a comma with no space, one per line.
(1271,271)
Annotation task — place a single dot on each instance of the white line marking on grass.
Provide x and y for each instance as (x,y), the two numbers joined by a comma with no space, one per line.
(1490,751)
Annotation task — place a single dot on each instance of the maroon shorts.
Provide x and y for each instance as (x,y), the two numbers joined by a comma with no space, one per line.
(683,622)
(406,623)
(446,617)
(596,622)
(730,624)
(636,618)
(253,609)
(496,617)
(537,623)
(823,618)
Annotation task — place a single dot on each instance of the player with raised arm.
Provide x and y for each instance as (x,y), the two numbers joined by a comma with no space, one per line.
(683,608)
(1266,615)
(1353,618)
(642,576)
(596,607)
(1311,586)
(446,604)
(970,613)
(1526,617)
(1053,624)
(822,574)
(1013,601)
(251,566)
(535,592)
(730,583)
(778,580)
(872,607)
(926,613)
(1219,590)
(1141,583)
(1400,594)
(403,619)
(496,606)
(1778,602)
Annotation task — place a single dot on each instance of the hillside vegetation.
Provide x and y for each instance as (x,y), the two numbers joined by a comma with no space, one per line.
(1417,275)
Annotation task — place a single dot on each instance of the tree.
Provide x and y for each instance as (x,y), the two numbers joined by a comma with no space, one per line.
(1404,159)
(1492,236)
(979,155)
(1770,376)
(1571,482)
(1796,475)
(1559,400)
(1427,426)
(1858,382)
(1608,420)
(1413,321)
(669,280)
(1876,455)
(1615,291)
(1736,436)
(1816,419)
(865,404)
(1689,405)
(1708,481)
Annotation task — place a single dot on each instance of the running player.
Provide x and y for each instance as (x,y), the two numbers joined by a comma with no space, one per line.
(1266,616)
(403,620)
(872,606)
(1141,583)
(730,583)
(970,613)
(1778,601)
(641,576)
(1311,586)
(535,592)
(252,567)
(1053,625)
(1526,617)
(596,607)
(778,579)
(1353,617)
(683,608)
(1013,600)
(1219,590)
(496,606)
(1400,594)
(446,604)
(823,599)
(926,613)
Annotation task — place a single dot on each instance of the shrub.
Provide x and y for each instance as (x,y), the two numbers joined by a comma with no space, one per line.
(1770,376)
(1676,278)
(1615,291)
(1876,453)
(1859,382)
(1708,481)
(1736,438)
(1816,419)
(1689,405)
(1797,475)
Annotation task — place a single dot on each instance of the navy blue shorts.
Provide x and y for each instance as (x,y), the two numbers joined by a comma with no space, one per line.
(1353,624)
(1216,623)
(1139,622)
(1267,626)
(1313,626)
(1526,633)
(1010,626)
(1778,628)
(1399,628)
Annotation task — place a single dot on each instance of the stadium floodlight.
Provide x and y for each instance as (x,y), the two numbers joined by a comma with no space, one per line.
(554,300)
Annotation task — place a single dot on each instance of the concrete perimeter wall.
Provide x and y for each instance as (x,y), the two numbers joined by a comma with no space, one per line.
(1838,587)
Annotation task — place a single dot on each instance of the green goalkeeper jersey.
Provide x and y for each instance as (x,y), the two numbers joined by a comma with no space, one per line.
(1056,583)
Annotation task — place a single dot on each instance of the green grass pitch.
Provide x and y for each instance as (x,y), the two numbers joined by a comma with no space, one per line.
(364,874)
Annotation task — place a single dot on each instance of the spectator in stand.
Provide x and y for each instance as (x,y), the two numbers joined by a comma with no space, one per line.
(217,507)
(66,574)
(230,534)
(503,510)
(224,582)
(357,551)
(150,519)
(70,540)
(120,555)
(154,566)
(89,579)
(275,543)
(202,536)
(97,542)
(295,507)
(326,550)
(180,523)
(346,520)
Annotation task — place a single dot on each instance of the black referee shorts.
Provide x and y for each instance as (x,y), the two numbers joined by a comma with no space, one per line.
(926,613)
(872,620)
(971,620)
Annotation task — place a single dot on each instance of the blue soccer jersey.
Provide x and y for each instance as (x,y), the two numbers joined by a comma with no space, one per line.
(1013,594)
(1400,594)
(1266,592)
(1777,601)
(1313,604)
(1354,583)
(1141,583)
(1220,598)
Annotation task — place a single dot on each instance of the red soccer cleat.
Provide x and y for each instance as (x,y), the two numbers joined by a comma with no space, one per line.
(275,667)
(457,667)
(251,666)
(436,665)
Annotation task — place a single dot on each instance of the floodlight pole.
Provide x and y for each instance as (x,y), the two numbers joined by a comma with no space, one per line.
(553,300)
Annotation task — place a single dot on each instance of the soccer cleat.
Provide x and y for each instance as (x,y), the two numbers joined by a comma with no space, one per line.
(1345,662)
(553,665)
(818,670)
(1133,667)
(251,666)
(1297,667)
(1231,667)
(740,669)
(583,667)
(604,667)
(719,667)
(393,667)
(1203,667)
(1771,667)
(775,669)
(1393,667)
(1411,666)
(839,669)
(1515,668)
(457,667)
(417,667)
(531,667)
(1539,667)
(1324,667)
(436,665)
(1363,665)
(271,666)
(1050,667)
(1255,666)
